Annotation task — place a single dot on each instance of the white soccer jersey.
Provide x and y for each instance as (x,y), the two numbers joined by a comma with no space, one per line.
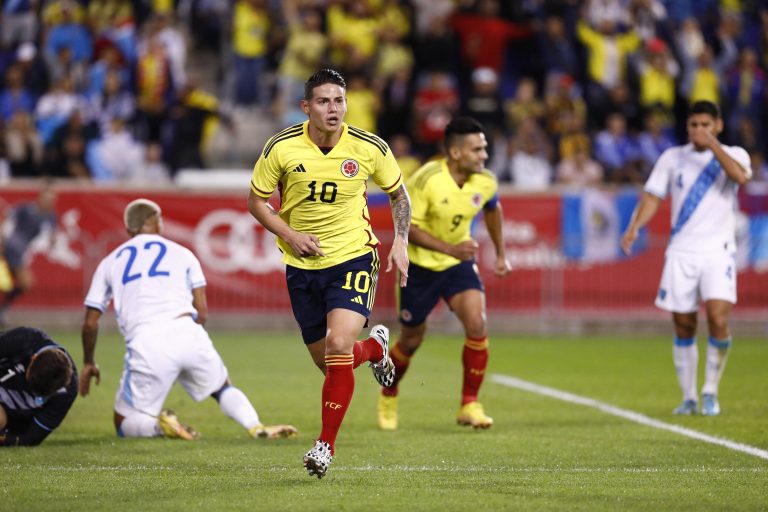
(150,279)
(703,198)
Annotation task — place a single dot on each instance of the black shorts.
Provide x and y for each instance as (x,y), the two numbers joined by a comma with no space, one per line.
(426,287)
(314,293)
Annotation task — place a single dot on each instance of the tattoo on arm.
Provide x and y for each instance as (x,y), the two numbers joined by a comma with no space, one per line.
(401,211)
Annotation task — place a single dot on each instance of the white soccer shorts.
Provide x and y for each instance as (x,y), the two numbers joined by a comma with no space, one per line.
(689,279)
(160,355)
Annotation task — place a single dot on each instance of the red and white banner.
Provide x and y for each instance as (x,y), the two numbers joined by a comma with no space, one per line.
(245,273)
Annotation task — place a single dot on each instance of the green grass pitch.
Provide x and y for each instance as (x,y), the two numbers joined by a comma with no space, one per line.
(542,453)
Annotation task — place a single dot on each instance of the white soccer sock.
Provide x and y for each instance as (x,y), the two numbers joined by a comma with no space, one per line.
(236,405)
(686,356)
(717,355)
(140,425)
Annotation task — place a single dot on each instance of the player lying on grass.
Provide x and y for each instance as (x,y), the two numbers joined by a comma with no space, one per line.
(38,384)
(158,290)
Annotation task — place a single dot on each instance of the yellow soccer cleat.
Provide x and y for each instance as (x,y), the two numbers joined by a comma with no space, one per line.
(273,432)
(174,429)
(472,415)
(387,412)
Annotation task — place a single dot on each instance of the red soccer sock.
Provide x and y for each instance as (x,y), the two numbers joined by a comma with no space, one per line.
(401,360)
(367,351)
(338,388)
(475,360)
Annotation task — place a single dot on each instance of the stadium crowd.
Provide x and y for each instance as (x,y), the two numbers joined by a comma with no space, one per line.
(572,92)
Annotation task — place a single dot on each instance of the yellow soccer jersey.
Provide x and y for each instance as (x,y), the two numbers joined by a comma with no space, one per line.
(325,195)
(444,210)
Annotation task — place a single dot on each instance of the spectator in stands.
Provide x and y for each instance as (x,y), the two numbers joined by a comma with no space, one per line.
(483,103)
(428,14)
(524,105)
(209,20)
(397,96)
(113,24)
(65,151)
(362,103)
(353,31)
(70,33)
(24,149)
(393,53)
(400,145)
(15,97)
(24,223)
(63,65)
(175,46)
(563,105)
(117,157)
(702,77)
(153,169)
(573,136)
(435,103)
(154,89)
(617,152)
(484,36)
(530,154)
(111,102)
(18,22)
(436,47)
(250,33)
(56,106)
(689,41)
(607,51)
(302,55)
(195,117)
(646,16)
(558,51)
(657,70)
(653,141)
(599,12)
(579,170)
(57,12)
(34,69)
(745,87)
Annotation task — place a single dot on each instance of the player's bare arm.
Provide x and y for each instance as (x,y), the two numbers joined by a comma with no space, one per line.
(302,244)
(90,333)
(464,250)
(494,221)
(200,303)
(401,215)
(643,213)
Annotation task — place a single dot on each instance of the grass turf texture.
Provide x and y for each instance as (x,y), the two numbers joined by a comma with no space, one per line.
(542,454)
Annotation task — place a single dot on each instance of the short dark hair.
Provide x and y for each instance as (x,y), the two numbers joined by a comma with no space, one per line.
(704,107)
(458,127)
(49,370)
(324,76)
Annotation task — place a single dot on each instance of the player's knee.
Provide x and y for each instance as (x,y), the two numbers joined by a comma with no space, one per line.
(475,326)
(718,327)
(3,418)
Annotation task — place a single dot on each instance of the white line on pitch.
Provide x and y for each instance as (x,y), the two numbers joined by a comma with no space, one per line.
(513,382)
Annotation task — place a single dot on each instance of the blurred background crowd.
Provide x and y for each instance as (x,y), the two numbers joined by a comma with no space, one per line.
(570,92)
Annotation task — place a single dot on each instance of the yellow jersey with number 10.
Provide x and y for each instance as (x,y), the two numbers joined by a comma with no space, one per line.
(325,194)
(444,210)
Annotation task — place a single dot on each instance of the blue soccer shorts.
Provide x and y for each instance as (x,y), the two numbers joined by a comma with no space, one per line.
(426,287)
(314,293)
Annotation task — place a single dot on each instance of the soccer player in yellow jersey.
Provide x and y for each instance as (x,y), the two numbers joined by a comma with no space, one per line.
(320,168)
(447,194)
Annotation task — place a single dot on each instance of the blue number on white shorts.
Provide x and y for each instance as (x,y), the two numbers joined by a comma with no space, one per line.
(153,271)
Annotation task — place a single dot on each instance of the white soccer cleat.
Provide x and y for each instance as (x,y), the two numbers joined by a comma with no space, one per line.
(384,370)
(174,429)
(318,459)
(273,432)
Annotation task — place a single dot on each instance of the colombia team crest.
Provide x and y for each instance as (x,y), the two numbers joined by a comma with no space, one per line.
(477,200)
(350,168)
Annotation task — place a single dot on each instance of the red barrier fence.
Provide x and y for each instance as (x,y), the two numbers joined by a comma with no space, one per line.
(245,273)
